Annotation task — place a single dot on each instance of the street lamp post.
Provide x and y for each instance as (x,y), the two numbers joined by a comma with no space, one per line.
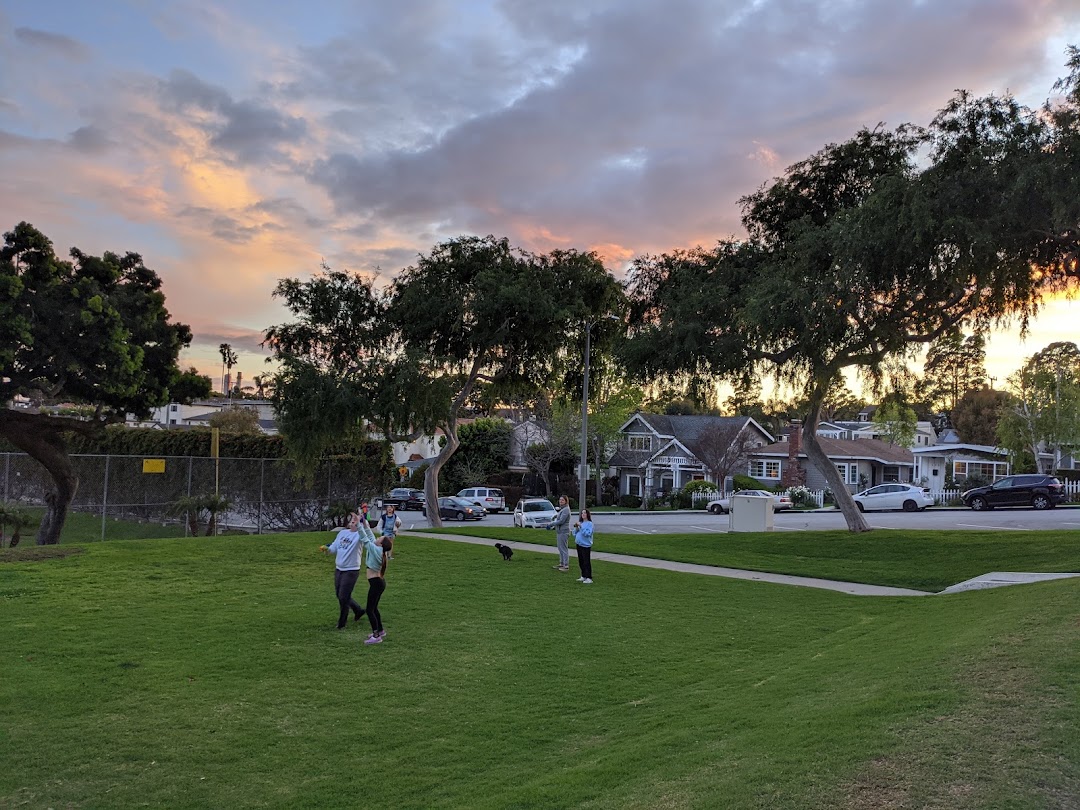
(582,470)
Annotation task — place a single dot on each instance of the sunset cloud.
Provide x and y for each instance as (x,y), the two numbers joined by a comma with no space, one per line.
(233,144)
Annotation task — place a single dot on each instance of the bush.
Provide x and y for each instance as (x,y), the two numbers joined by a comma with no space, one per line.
(630,501)
(746,482)
(801,496)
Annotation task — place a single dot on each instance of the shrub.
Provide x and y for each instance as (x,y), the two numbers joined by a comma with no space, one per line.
(802,496)
(746,482)
(630,501)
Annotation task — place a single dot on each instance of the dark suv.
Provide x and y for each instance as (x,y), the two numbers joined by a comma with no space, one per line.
(1036,491)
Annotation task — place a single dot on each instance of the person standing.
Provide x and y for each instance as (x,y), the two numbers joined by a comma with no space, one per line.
(583,539)
(389,524)
(561,524)
(376,552)
(346,548)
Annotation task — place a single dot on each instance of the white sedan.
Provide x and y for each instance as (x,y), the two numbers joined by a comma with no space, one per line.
(908,497)
(534,513)
(723,505)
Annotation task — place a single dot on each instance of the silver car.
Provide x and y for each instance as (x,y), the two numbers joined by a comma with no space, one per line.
(534,513)
(908,497)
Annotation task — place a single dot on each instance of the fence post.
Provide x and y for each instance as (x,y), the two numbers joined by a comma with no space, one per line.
(262,489)
(187,523)
(7,476)
(105,496)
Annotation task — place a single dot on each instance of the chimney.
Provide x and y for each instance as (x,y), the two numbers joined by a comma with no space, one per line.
(794,475)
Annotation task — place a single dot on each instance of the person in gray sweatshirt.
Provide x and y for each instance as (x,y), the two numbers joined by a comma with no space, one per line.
(346,548)
(561,525)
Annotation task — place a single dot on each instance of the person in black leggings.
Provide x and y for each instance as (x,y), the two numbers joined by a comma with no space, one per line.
(376,552)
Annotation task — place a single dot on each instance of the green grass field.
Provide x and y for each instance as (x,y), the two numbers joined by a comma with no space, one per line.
(206,672)
(922,560)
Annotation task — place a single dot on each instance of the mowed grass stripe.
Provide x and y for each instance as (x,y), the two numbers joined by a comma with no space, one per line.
(921,560)
(206,672)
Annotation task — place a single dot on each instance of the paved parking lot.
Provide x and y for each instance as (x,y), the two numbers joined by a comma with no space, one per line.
(1063,517)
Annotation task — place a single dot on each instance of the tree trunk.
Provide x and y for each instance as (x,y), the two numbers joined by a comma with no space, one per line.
(431,475)
(41,437)
(855,520)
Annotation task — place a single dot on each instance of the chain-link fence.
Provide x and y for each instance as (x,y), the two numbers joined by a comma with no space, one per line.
(262,494)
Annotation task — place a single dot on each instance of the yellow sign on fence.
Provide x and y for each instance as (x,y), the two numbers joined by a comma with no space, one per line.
(153,465)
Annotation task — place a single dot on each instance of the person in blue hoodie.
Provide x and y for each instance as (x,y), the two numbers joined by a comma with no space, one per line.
(346,548)
(583,537)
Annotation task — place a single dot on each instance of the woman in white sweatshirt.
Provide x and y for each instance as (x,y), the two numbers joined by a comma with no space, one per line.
(346,548)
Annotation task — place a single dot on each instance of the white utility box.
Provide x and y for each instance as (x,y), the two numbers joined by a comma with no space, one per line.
(750,513)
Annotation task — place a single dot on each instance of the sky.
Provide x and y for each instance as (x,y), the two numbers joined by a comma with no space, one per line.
(233,144)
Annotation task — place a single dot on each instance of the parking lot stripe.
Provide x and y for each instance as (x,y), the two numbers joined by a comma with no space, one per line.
(981,526)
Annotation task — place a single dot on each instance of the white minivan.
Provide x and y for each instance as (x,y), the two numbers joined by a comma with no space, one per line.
(488,497)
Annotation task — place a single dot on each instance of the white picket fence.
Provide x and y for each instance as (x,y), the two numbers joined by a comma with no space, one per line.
(942,497)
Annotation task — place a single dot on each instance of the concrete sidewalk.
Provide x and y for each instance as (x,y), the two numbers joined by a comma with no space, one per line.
(854,588)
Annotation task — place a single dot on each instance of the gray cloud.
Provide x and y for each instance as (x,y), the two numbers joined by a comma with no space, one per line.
(645,135)
(90,140)
(249,131)
(55,43)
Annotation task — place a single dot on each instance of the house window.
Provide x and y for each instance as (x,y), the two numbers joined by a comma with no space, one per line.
(992,470)
(849,473)
(633,485)
(639,443)
(174,408)
(763,468)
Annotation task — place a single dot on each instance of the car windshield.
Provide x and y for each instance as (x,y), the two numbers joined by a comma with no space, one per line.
(537,506)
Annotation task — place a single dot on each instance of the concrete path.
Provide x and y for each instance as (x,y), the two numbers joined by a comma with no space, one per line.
(854,588)
(997,579)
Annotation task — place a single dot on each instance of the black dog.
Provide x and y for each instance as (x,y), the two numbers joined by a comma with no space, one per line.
(506,551)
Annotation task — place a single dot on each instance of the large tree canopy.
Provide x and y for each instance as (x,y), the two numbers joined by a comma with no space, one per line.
(473,313)
(91,331)
(866,250)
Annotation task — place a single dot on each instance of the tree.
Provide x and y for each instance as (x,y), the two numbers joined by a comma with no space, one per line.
(1045,410)
(562,423)
(228,360)
(724,447)
(976,416)
(896,423)
(92,331)
(471,314)
(484,451)
(855,257)
(954,365)
(237,419)
(613,404)
(190,386)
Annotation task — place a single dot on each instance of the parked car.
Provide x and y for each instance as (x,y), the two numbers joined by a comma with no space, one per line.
(453,508)
(908,497)
(488,497)
(722,506)
(403,498)
(1036,491)
(534,513)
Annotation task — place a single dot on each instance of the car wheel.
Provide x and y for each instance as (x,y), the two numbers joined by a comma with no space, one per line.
(1040,502)
(861,507)
(910,506)
(978,503)
(461,516)
(715,509)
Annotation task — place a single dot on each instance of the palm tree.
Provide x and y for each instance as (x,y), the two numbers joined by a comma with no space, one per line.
(228,360)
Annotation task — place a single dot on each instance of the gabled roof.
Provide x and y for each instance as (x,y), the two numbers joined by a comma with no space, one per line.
(687,429)
(949,447)
(846,449)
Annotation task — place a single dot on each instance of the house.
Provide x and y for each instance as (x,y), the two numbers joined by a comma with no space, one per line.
(861,462)
(657,452)
(198,413)
(925,435)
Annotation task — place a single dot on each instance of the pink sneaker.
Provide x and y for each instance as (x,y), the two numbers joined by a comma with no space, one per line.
(373,640)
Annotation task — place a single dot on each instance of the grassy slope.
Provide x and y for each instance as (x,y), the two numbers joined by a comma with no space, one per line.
(924,560)
(202,672)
